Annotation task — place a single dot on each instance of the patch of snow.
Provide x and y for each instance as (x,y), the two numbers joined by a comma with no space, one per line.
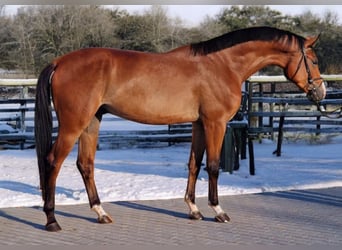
(161,173)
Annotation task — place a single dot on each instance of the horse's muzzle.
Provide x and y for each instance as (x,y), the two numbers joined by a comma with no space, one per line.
(316,93)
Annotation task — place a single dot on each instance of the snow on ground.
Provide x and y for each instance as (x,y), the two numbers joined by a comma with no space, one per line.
(161,173)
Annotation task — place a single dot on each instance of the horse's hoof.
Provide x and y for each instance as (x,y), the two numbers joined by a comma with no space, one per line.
(53,227)
(196,215)
(105,219)
(222,218)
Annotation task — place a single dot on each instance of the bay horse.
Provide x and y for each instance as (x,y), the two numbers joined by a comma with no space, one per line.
(198,83)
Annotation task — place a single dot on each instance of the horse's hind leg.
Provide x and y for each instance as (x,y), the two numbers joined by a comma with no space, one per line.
(195,161)
(60,149)
(85,163)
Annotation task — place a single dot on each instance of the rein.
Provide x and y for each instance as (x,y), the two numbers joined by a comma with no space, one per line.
(332,114)
(312,87)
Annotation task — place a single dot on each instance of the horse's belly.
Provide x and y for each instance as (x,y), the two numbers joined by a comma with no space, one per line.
(157,114)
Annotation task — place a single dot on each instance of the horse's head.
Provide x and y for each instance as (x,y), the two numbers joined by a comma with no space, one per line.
(303,70)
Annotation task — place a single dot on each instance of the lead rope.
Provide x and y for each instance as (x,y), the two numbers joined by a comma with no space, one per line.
(332,114)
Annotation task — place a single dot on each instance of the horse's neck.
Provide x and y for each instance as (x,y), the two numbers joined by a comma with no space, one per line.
(250,58)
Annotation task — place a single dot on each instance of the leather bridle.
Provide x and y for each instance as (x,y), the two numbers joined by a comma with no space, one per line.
(311,82)
(312,89)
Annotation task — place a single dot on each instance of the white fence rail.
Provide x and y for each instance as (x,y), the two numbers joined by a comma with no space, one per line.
(25,84)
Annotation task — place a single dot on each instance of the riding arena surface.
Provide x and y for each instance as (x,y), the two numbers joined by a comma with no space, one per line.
(290,218)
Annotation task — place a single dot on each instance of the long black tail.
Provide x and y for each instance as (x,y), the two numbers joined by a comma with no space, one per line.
(43,122)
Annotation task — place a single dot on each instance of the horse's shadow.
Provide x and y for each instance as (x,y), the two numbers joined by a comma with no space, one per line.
(136,206)
(17,219)
(20,220)
(34,190)
(19,187)
(16,186)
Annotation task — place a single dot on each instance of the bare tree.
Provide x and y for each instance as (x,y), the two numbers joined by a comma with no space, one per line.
(2,9)
(26,45)
(37,34)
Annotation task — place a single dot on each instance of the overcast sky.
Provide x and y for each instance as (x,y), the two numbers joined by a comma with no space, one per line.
(193,14)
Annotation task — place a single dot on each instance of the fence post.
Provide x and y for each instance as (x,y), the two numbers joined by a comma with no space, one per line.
(277,152)
(22,115)
(260,105)
(227,151)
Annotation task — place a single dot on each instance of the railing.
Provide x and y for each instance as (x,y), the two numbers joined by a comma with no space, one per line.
(279,104)
(297,112)
(14,112)
(265,108)
(22,84)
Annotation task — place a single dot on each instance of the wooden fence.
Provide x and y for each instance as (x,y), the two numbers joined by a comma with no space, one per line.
(274,110)
(267,107)
(19,113)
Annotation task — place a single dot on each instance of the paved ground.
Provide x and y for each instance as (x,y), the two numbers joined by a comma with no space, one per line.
(283,218)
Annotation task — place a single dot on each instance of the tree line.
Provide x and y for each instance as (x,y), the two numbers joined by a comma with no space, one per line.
(36,34)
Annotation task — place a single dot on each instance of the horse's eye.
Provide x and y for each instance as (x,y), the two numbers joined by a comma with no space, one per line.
(315,62)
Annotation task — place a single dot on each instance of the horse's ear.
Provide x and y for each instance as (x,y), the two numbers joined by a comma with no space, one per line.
(311,40)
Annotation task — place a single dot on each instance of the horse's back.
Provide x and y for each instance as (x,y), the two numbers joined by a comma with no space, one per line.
(144,87)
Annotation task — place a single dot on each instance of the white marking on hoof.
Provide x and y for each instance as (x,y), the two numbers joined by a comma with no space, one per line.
(192,206)
(217,209)
(100,211)
(194,213)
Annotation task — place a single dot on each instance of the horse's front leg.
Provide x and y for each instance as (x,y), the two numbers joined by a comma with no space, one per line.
(195,161)
(214,138)
(85,164)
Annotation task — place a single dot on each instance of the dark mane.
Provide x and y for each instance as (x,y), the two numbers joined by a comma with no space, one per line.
(244,35)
